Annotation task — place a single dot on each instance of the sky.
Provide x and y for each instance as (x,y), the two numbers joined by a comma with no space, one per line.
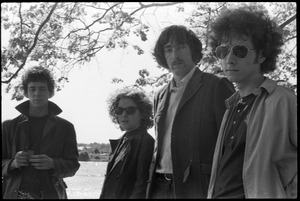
(83,99)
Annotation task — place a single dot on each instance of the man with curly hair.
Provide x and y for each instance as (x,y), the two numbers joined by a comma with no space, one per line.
(187,114)
(256,150)
(39,148)
(128,168)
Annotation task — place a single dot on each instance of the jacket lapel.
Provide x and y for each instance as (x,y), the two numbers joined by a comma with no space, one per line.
(121,151)
(49,125)
(21,141)
(161,100)
(160,113)
(192,87)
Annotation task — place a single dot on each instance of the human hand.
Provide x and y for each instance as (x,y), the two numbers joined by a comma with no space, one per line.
(21,159)
(41,162)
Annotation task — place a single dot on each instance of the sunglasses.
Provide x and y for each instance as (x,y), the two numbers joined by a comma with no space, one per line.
(240,51)
(129,110)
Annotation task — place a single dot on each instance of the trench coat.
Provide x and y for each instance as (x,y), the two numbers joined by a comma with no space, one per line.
(127,173)
(58,142)
(194,132)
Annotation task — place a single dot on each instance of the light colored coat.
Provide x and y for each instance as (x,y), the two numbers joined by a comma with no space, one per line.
(270,160)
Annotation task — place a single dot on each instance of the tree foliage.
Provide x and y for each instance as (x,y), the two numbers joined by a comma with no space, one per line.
(84,156)
(62,36)
(284,14)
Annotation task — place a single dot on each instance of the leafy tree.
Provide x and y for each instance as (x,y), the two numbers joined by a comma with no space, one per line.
(84,156)
(62,36)
(96,151)
(284,15)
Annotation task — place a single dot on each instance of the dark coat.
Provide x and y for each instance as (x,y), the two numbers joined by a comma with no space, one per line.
(58,142)
(194,133)
(128,177)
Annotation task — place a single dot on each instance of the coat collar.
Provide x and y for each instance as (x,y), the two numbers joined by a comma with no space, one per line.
(23,108)
(267,86)
(193,85)
(135,133)
(128,138)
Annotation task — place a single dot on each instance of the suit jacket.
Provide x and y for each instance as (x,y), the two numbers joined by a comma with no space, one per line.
(194,132)
(128,168)
(58,142)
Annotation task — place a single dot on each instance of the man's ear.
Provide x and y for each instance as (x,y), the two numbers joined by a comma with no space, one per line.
(261,59)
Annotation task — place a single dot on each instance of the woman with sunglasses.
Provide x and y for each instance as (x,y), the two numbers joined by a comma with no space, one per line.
(128,167)
(258,135)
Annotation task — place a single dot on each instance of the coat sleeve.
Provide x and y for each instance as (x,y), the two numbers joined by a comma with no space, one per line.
(67,165)
(143,165)
(6,147)
(285,142)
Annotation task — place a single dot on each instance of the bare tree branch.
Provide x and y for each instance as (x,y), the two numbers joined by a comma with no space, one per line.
(290,38)
(33,45)
(21,20)
(143,6)
(287,22)
(87,27)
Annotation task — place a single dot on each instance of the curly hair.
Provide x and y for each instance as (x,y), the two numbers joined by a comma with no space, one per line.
(139,97)
(252,22)
(38,74)
(181,35)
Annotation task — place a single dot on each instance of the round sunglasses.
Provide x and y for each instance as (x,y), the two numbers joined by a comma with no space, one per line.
(129,110)
(240,51)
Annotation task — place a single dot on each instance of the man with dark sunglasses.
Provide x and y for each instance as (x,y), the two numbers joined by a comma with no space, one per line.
(188,112)
(256,151)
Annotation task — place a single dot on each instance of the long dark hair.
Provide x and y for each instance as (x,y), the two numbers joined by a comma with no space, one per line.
(181,35)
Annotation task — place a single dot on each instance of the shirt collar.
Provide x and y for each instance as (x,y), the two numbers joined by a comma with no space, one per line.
(183,81)
(268,86)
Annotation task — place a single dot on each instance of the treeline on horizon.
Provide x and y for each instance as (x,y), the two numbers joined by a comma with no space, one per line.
(94,151)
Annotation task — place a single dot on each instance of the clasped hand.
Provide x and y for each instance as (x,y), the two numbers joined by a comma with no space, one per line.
(41,162)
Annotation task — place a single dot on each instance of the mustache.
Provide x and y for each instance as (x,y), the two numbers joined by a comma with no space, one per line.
(176,61)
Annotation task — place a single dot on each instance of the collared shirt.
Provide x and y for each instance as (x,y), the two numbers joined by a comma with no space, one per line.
(229,184)
(176,90)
